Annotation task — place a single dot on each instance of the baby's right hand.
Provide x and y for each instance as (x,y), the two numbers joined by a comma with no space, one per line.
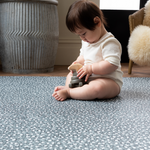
(74,62)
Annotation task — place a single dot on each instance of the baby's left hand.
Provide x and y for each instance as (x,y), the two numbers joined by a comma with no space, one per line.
(85,70)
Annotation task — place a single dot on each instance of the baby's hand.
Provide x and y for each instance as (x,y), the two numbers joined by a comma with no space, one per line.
(85,70)
(74,66)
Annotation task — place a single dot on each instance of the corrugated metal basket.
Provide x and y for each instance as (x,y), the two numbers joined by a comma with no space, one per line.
(29,32)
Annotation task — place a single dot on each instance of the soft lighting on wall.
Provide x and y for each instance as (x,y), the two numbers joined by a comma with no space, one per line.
(120,4)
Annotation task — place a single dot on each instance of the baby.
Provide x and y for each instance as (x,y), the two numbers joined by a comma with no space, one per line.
(100,55)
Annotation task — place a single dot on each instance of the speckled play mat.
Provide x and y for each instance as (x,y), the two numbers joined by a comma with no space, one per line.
(31,119)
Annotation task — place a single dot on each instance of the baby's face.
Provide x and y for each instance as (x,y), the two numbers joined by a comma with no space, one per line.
(90,36)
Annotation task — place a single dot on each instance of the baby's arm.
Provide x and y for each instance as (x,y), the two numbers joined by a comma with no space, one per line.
(100,68)
(103,68)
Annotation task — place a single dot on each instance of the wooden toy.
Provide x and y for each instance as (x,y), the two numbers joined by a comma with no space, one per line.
(75,81)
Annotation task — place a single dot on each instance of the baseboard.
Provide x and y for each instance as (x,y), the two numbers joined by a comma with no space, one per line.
(69,41)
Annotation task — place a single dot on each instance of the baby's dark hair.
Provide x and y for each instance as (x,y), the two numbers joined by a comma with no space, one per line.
(81,14)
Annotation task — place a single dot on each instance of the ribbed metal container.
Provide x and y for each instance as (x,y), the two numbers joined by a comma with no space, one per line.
(29,32)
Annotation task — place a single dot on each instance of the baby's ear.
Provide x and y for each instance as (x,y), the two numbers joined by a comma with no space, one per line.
(97,21)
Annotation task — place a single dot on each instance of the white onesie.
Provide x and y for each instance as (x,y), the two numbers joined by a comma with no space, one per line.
(107,48)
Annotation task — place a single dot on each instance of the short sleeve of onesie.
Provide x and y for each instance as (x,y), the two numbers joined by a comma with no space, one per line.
(111,51)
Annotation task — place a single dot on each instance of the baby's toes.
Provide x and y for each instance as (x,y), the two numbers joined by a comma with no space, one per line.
(54,94)
(57,97)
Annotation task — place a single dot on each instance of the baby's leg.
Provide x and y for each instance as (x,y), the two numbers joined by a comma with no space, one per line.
(68,79)
(105,88)
(98,88)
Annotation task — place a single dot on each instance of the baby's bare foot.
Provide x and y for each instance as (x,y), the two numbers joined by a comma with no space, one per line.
(59,88)
(61,95)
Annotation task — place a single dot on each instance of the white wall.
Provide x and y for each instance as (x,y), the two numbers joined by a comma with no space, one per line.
(69,44)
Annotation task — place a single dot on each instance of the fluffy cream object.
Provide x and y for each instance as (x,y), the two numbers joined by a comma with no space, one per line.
(139,46)
(146,20)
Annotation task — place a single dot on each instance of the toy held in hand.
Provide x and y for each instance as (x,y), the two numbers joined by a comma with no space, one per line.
(75,81)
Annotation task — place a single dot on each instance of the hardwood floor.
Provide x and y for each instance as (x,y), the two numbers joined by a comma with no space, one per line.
(59,70)
(137,71)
